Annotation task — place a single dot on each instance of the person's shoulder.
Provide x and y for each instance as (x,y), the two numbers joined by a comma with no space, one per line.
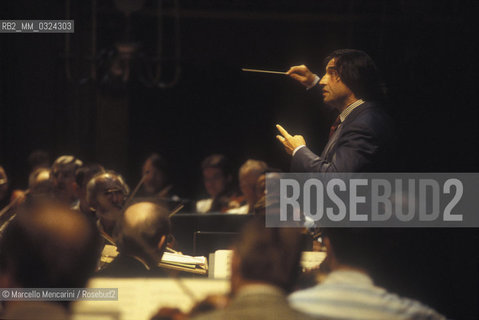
(305,294)
(371,118)
(381,303)
(210,315)
(413,309)
(371,112)
(247,312)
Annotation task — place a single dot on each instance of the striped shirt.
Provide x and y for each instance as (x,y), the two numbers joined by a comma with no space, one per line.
(342,117)
(350,109)
(347,294)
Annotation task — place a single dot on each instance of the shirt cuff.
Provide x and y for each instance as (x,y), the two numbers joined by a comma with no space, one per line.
(315,82)
(297,148)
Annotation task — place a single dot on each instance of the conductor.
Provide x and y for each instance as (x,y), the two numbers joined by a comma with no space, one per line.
(360,136)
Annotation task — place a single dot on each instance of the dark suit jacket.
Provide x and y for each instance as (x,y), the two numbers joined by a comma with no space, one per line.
(259,302)
(360,144)
(128,267)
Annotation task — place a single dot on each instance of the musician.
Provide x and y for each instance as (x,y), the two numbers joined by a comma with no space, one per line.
(142,240)
(46,246)
(106,195)
(155,172)
(218,181)
(63,179)
(38,159)
(354,255)
(156,184)
(39,181)
(82,177)
(361,135)
(263,269)
(248,176)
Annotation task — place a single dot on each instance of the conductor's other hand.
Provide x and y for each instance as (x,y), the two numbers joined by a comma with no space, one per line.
(303,75)
(289,142)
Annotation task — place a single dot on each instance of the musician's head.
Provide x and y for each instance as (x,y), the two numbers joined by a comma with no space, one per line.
(350,75)
(38,159)
(361,248)
(106,195)
(249,173)
(82,176)
(63,178)
(39,181)
(144,229)
(155,171)
(266,255)
(217,175)
(48,245)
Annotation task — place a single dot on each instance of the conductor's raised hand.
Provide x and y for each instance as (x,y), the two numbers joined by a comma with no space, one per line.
(289,142)
(303,75)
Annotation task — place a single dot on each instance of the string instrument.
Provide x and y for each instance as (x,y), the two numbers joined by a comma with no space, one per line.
(9,211)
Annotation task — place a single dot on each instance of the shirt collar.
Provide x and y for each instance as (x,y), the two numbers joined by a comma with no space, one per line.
(349,109)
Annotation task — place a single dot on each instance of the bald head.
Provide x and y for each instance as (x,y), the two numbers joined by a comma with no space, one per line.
(57,223)
(49,245)
(144,224)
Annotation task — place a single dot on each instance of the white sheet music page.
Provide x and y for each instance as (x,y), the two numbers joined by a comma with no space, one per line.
(140,298)
(222,269)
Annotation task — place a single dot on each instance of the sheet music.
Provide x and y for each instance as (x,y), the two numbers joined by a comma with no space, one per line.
(222,268)
(141,298)
(183,259)
(222,262)
(312,259)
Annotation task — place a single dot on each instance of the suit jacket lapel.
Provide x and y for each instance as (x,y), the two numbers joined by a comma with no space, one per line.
(331,142)
(326,154)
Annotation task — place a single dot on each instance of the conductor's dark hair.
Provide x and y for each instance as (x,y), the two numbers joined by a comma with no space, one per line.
(269,255)
(359,73)
(48,245)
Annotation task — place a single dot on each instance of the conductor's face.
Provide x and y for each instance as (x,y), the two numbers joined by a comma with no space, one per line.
(335,92)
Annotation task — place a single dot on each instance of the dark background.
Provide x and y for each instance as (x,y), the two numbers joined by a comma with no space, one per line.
(51,99)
